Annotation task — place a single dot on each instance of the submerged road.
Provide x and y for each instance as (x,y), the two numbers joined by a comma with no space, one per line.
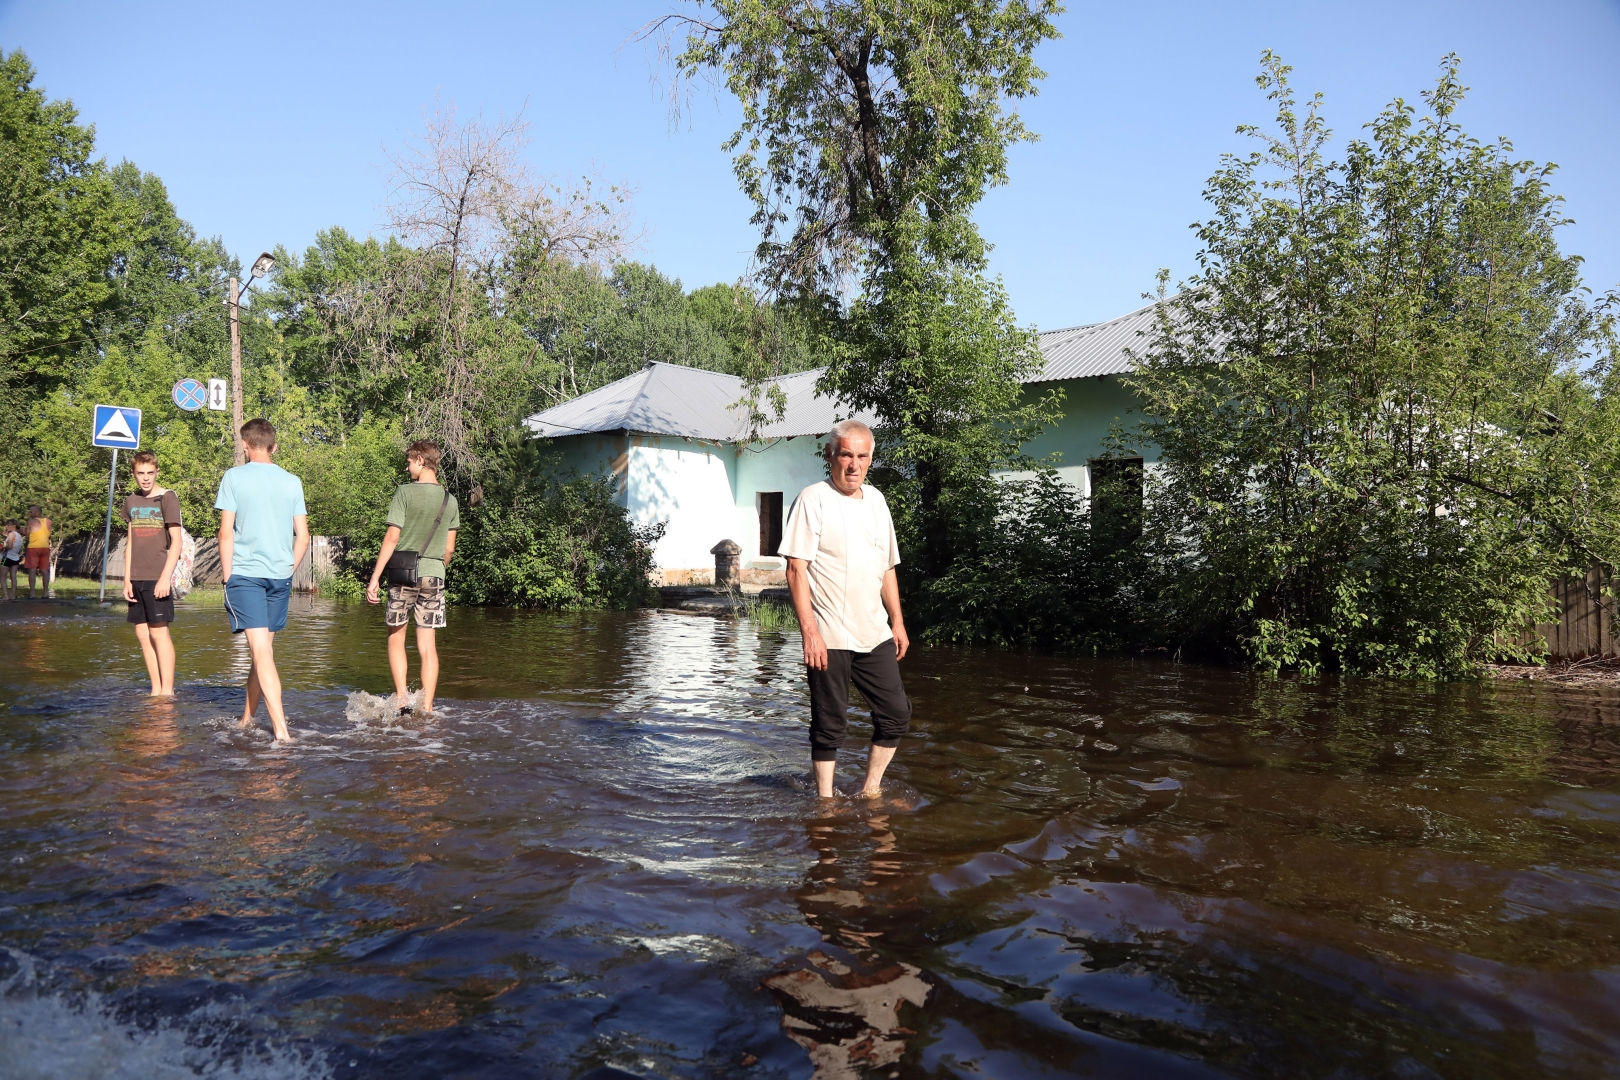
(603,854)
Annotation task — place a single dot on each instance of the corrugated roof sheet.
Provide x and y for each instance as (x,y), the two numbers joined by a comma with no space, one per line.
(1098,349)
(668,399)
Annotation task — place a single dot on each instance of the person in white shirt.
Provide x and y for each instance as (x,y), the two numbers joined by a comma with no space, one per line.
(841,553)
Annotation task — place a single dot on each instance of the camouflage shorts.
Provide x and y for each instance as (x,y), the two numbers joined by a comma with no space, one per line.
(425,598)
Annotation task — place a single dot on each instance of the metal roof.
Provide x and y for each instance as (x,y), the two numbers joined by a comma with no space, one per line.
(668,399)
(1098,349)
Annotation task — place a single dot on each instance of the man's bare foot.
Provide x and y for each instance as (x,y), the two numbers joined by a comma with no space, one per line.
(246,721)
(872,793)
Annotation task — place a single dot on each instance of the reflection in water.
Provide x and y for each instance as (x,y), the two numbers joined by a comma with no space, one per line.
(843,1004)
(603,854)
(154,731)
(846,1012)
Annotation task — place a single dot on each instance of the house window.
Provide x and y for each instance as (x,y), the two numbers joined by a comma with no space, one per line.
(770,522)
(1116,500)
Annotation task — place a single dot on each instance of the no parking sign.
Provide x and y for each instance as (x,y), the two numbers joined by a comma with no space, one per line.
(189,394)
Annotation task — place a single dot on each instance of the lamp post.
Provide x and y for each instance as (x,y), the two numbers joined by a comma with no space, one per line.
(261,266)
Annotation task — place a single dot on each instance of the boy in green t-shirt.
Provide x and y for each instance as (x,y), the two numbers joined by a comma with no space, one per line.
(410,520)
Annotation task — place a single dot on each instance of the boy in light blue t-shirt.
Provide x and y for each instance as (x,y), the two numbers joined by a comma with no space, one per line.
(263,536)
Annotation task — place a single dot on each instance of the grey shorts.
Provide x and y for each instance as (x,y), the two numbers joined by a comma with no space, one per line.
(425,598)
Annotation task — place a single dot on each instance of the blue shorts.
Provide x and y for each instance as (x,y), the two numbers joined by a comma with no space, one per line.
(257,603)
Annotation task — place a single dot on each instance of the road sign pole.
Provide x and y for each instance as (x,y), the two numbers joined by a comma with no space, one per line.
(106,539)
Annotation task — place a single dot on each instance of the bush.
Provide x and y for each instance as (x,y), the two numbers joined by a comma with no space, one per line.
(564,543)
(339,586)
(1031,567)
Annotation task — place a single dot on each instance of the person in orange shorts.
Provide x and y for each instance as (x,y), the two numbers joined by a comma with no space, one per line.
(38,555)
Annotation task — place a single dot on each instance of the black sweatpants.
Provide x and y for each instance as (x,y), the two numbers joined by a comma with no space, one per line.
(876,675)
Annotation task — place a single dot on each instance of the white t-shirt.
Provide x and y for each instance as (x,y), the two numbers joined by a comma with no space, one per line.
(849,544)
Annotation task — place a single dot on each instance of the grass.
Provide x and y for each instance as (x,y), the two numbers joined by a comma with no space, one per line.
(75,586)
(768,615)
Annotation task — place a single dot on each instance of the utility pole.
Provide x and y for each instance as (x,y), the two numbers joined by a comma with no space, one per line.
(261,266)
(235,303)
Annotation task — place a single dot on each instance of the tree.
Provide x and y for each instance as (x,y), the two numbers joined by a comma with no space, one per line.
(105,295)
(1385,407)
(60,222)
(424,325)
(870,132)
(161,274)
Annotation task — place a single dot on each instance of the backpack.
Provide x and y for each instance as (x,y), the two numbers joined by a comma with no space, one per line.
(180,585)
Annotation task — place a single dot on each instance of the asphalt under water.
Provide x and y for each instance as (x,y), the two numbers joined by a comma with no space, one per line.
(604,854)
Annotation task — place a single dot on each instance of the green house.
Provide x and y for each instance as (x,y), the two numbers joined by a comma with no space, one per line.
(1086,363)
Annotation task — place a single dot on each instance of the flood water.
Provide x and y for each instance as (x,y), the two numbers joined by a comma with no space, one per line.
(604,855)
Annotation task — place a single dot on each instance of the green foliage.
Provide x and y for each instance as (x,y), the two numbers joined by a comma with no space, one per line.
(339,585)
(1032,569)
(857,116)
(105,296)
(347,482)
(595,328)
(69,476)
(1386,411)
(60,223)
(351,349)
(555,544)
(933,350)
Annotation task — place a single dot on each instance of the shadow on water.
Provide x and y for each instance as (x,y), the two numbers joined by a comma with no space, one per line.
(602,858)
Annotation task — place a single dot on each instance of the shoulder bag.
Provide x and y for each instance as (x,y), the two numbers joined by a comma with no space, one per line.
(401,568)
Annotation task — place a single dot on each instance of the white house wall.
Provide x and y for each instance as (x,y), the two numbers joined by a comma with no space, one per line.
(594,454)
(688,485)
(704,492)
(785,465)
(708,493)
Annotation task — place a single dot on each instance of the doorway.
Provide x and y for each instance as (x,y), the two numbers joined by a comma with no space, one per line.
(770,522)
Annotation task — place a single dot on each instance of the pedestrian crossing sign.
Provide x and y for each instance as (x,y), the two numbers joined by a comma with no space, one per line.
(117,426)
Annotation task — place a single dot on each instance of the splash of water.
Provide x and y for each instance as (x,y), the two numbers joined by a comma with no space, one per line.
(46,1035)
(371,710)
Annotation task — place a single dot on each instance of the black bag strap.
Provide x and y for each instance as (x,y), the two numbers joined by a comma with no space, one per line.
(428,539)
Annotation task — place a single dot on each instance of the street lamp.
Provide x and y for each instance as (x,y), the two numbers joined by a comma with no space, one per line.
(261,266)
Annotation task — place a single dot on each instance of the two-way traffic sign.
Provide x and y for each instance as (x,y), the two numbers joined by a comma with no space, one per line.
(116,426)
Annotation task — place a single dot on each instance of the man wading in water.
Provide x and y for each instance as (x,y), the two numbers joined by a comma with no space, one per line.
(841,553)
(263,535)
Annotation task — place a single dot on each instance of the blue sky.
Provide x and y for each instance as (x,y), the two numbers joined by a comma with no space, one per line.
(268,121)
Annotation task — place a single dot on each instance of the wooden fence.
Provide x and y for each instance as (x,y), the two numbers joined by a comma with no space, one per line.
(81,557)
(1585,625)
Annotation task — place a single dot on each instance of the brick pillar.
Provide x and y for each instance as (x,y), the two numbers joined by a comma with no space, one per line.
(727,562)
